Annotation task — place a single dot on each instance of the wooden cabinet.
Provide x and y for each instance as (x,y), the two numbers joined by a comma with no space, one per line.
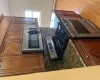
(21,64)
(12,61)
(3,27)
(89,49)
(67,14)
(12,42)
(23,20)
(11,47)
(83,52)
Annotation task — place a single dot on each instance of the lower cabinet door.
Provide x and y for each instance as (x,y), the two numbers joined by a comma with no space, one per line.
(13,65)
(89,49)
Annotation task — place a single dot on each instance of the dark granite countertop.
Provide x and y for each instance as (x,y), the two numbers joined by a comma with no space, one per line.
(51,65)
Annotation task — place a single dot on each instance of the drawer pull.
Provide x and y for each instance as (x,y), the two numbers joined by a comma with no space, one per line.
(87,56)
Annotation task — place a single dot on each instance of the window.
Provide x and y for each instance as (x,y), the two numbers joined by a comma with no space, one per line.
(37,15)
(52,20)
(33,14)
(28,13)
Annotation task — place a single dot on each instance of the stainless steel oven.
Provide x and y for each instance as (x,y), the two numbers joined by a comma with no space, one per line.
(32,40)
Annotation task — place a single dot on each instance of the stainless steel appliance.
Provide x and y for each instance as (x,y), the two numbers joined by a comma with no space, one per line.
(32,40)
(51,48)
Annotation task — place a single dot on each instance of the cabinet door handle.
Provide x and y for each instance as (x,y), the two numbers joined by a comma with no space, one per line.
(58,24)
(87,56)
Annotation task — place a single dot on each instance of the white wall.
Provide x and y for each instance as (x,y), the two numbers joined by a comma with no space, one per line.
(17,8)
(4,7)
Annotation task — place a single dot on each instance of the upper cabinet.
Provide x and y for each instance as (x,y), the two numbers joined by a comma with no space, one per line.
(67,14)
(23,20)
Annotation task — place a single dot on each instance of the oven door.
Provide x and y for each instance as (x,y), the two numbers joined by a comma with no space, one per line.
(60,40)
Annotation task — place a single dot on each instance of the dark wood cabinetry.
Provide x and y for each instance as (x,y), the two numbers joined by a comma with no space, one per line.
(89,50)
(67,14)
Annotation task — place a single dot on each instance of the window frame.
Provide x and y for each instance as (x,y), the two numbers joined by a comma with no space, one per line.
(39,19)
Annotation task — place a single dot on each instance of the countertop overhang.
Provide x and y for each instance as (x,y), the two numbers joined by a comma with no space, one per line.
(88,73)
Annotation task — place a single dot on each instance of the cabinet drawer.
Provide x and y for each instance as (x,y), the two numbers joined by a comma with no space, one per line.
(11,47)
(12,65)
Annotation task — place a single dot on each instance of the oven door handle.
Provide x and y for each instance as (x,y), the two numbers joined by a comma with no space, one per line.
(59,24)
